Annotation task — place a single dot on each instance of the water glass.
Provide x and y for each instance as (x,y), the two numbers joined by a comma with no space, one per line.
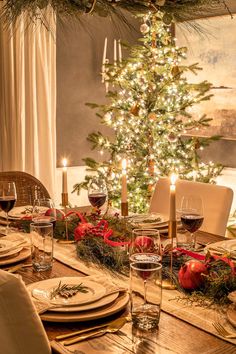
(145,241)
(145,291)
(41,245)
(44,211)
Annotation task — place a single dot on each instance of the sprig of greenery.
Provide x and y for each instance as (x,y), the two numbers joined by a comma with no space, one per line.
(65,290)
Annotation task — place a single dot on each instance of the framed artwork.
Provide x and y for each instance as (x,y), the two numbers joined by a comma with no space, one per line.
(214,48)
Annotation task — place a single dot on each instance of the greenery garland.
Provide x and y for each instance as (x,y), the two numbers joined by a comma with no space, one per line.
(177,10)
(92,248)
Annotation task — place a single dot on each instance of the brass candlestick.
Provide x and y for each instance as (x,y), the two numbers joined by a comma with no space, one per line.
(64,200)
(65,204)
(124,209)
(172,232)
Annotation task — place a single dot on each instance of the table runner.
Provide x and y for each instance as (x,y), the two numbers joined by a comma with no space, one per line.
(194,315)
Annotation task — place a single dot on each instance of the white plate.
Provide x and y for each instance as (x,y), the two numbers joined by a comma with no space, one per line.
(44,288)
(105,311)
(221,247)
(88,307)
(25,253)
(5,245)
(148,221)
(16,213)
(107,299)
(11,252)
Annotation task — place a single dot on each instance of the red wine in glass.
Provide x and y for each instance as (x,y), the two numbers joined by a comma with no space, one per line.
(192,222)
(7,198)
(97,192)
(192,216)
(144,264)
(97,199)
(7,203)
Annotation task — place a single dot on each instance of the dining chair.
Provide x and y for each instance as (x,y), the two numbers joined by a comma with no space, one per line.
(28,187)
(217,201)
(21,329)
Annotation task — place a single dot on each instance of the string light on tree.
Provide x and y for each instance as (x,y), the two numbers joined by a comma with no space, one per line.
(149,110)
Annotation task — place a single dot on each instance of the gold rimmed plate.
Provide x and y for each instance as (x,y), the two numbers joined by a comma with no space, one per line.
(222,247)
(119,304)
(105,300)
(11,253)
(43,291)
(22,255)
(5,245)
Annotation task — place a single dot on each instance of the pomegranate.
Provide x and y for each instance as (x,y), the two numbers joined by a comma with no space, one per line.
(143,244)
(190,274)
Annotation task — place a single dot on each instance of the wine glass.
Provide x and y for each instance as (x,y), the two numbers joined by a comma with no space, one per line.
(44,211)
(191,214)
(97,192)
(7,198)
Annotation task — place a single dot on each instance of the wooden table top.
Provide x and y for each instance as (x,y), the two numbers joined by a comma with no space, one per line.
(173,336)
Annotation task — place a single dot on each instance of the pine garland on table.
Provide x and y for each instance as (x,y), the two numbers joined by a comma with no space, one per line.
(111,253)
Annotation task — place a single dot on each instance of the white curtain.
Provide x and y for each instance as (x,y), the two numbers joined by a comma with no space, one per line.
(28,99)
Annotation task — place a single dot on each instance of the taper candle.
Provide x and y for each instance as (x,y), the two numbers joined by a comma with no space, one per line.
(120,51)
(64,176)
(124,182)
(104,60)
(115,52)
(173,179)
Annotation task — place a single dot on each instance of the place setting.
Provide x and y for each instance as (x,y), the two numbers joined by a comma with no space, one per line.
(153,221)
(77,299)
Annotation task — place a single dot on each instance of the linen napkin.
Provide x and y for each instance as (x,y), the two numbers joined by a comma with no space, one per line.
(21,329)
(18,238)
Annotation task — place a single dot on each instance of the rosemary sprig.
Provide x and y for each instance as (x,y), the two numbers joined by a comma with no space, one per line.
(66,290)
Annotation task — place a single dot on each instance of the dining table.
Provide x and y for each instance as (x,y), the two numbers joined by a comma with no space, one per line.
(174,335)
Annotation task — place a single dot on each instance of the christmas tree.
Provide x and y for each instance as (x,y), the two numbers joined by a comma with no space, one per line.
(149,111)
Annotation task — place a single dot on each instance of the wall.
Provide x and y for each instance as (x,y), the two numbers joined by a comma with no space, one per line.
(79,59)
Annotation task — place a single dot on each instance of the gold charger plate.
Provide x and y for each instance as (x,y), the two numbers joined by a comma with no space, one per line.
(25,253)
(105,311)
(13,252)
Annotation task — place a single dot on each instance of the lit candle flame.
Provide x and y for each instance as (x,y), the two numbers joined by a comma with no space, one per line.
(124,165)
(64,162)
(173,178)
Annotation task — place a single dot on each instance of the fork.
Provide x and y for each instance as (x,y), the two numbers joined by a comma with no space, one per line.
(113,327)
(222,331)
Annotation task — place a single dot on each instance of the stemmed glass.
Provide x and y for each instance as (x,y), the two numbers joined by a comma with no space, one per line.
(44,211)
(7,198)
(191,214)
(144,254)
(97,192)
